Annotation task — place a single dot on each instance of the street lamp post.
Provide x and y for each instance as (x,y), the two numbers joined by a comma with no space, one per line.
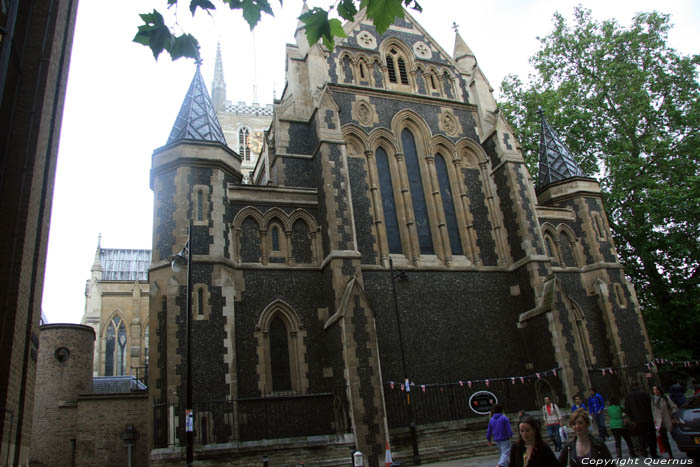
(407,382)
(184,257)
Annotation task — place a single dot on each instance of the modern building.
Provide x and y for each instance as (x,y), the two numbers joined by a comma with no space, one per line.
(394,236)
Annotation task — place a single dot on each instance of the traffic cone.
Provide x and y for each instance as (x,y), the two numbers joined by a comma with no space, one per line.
(388,460)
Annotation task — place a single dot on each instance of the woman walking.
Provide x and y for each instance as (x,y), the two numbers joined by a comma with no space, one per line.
(618,428)
(582,445)
(530,450)
(662,407)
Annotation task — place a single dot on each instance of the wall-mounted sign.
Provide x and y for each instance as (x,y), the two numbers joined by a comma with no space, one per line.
(481,402)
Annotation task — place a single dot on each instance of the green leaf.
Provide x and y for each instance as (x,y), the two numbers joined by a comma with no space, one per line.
(154,33)
(203,4)
(347,10)
(186,46)
(383,12)
(316,24)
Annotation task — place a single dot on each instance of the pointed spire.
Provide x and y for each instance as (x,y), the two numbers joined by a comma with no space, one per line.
(463,55)
(300,32)
(218,85)
(97,263)
(556,161)
(197,119)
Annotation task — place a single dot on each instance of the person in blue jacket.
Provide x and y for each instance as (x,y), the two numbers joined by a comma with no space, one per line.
(499,429)
(596,406)
(578,404)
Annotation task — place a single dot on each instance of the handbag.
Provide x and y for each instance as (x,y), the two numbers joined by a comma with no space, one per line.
(660,443)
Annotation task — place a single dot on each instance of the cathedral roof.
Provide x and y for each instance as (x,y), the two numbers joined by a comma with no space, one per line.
(124,265)
(556,161)
(197,118)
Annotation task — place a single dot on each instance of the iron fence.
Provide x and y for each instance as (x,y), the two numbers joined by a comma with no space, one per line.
(617,381)
(445,402)
(141,375)
(250,419)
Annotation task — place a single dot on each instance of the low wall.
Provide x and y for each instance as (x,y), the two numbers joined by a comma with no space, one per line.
(102,419)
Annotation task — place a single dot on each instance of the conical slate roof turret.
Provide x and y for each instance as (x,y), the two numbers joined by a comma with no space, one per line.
(197,119)
(556,161)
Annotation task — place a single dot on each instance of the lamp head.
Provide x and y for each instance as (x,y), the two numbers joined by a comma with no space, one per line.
(179,261)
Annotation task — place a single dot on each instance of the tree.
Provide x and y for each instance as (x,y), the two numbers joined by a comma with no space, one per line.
(628,106)
(157,35)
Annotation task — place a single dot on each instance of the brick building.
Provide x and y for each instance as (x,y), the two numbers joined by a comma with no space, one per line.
(393,231)
(35,45)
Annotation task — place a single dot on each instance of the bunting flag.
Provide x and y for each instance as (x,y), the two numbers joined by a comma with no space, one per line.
(402,388)
(461,383)
(512,380)
(391,385)
(422,386)
(611,371)
(487,383)
(538,376)
(522,379)
(469,383)
(555,372)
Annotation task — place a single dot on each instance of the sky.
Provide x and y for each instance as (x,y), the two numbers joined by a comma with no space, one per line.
(121,103)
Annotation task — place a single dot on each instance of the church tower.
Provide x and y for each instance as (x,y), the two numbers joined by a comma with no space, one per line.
(586,243)
(218,85)
(189,179)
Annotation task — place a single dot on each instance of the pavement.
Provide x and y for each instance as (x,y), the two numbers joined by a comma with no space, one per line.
(492,461)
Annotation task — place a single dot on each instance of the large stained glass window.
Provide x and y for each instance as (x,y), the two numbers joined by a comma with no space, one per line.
(420,210)
(448,205)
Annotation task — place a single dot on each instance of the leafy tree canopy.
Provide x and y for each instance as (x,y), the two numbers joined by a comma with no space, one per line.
(628,105)
(157,35)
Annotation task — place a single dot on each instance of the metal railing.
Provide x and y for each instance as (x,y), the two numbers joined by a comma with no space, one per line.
(141,375)
(446,402)
(250,419)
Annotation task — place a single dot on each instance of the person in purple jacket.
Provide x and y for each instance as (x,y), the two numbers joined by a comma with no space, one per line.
(499,429)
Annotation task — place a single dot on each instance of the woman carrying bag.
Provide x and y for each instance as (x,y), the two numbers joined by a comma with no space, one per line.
(662,407)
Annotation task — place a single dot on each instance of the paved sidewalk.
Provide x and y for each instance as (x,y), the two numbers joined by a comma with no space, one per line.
(492,461)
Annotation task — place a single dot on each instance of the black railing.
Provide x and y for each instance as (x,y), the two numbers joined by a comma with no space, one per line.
(617,382)
(141,375)
(250,419)
(446,402)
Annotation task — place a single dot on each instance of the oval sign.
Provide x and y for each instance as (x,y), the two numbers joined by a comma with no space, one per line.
(481,402)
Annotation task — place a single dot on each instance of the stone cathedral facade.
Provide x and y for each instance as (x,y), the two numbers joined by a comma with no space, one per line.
(387,148)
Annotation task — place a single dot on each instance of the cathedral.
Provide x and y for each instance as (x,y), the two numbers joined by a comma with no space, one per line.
(389,238)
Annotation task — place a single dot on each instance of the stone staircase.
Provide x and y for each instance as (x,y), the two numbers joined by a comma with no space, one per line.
(443,441)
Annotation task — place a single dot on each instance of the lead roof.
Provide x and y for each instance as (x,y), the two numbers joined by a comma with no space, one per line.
(556,161)
(197,119)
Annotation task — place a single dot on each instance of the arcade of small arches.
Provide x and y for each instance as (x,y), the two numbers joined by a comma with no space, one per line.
(423,192)
(561,244)
(275,237)
(395,67)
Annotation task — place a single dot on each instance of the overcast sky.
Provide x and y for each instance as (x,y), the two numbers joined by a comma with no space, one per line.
(121,103)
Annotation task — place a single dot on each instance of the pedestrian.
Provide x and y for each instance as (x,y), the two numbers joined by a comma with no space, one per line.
(499,429)
(578,403)
(618,428)
(530,450)
(676,394)
(582,447)
(552,420)
(638,407)
(663,409)
(596,406)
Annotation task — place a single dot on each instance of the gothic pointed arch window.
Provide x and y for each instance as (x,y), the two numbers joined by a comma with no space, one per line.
(386,189)
(420,208)
(281,350)
(448,205)
(115,347)
(244,143)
